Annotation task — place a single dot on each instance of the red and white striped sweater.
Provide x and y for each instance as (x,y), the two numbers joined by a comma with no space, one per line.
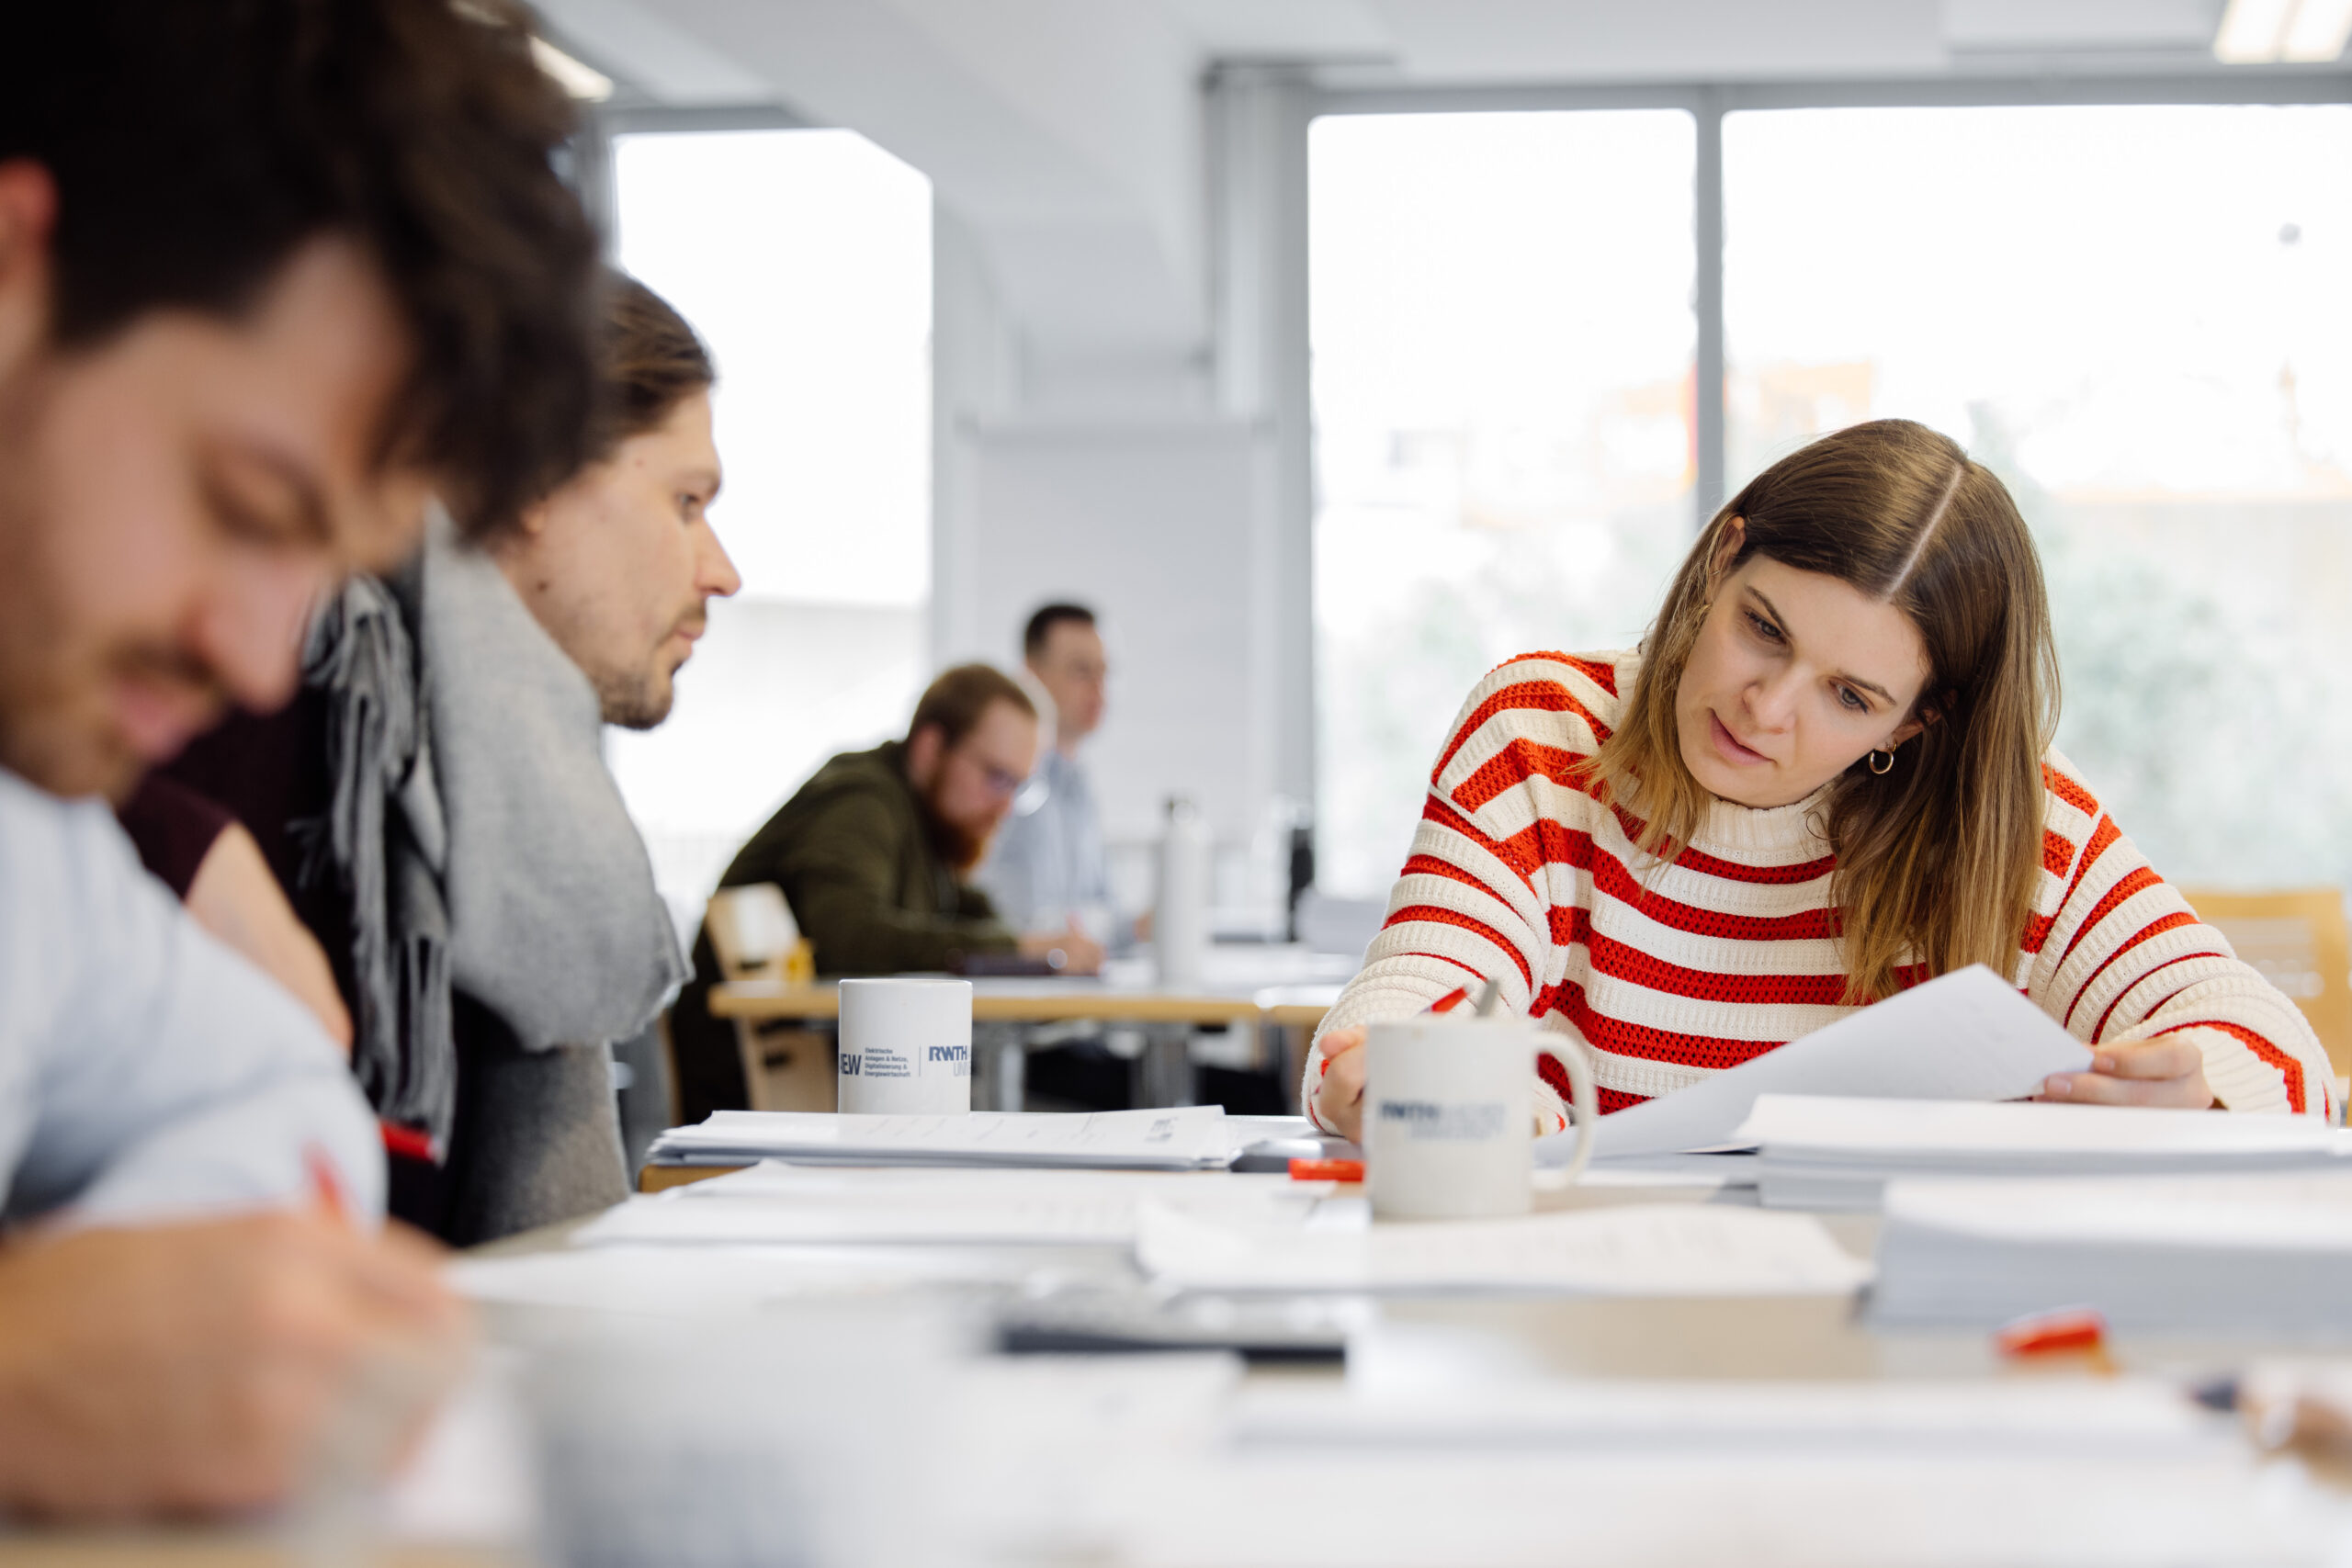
(1730,951)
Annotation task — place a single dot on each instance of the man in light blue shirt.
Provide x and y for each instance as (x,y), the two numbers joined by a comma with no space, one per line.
(257,300)
(1047,868)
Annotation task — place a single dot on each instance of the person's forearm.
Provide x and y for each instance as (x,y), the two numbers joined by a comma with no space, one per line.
(236,898)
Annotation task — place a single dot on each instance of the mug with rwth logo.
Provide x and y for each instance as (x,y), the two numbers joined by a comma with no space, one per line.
(1449,1113)
(906,1048)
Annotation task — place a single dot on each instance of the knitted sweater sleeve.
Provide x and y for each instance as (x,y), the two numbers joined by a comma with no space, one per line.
(1477,897)
(2116,954)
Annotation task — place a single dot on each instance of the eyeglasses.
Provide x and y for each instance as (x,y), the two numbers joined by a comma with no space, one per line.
(1001,783)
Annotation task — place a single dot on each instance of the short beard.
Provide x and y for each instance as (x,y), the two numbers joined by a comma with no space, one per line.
(640,704)
(959,848)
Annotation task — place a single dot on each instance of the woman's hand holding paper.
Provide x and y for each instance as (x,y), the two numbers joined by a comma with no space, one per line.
(2166,1071)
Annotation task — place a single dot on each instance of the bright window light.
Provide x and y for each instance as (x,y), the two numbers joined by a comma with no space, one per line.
(2257,32)
(2134,315)
(1503,336)
(2251,31)
(2317,34)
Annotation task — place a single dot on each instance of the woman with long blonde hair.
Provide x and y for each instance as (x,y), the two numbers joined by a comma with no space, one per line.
(1826,774)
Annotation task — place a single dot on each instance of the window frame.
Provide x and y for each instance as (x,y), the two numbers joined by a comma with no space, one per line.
(1281,258)
(1708,104)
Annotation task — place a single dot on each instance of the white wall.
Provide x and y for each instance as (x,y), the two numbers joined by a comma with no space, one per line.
(1164,488)
(1156,527)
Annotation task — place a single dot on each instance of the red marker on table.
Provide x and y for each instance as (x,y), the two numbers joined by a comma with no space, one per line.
(2080,1330)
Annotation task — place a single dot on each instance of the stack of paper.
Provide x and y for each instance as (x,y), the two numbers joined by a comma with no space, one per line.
(1192,1138)
(2057,1417)
(1865,1505)
(1643,1250)
(2269,1255)
(1507,1469)
(1822,1152)
(773,1204)
(1967,1036)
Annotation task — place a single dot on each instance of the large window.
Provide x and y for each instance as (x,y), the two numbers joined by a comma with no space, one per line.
(2140,318)
(2137,315)
(804,259)
(1502,332)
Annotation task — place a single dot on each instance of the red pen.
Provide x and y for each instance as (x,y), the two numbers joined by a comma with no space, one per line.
(326,1185)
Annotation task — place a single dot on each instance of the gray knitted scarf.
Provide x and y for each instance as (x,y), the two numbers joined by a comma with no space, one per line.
(383,842)
(481,842)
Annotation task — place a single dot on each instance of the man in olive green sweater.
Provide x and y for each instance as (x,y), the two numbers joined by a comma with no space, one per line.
(872,854)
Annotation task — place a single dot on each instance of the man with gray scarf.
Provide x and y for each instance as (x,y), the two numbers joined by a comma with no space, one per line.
(437,805)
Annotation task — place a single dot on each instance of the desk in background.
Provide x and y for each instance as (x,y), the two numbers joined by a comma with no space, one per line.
(1285,988)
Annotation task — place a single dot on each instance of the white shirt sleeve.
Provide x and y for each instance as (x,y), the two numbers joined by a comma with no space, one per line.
(146,1071)
(1010,874)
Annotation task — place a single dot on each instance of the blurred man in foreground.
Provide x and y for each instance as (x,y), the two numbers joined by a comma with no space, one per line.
(269,275)
(872,854)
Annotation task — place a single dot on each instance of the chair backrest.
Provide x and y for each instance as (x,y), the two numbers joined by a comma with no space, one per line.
(2299,939)
(751,929)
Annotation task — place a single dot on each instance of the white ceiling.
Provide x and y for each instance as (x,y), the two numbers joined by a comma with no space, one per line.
(1068,133)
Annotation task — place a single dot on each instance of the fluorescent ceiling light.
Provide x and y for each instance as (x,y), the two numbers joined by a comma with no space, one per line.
(2257,32)
(581,81)
(2318,32)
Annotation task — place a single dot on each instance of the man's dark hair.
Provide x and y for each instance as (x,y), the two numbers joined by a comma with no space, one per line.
(1040,629)
(956,700)
(197,144)
(652,361)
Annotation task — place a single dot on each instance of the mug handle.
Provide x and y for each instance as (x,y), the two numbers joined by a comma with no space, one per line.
(1570,1055)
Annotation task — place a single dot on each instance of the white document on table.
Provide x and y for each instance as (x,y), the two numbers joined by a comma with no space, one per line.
(773,1203)
(1188,1138)
(468,1480)
(1862,1504)
(1967,1036)
(2060,1418)
(2286,1212)
(1640,1249)
(2050,1139)
(717,1279)
(1823,1152)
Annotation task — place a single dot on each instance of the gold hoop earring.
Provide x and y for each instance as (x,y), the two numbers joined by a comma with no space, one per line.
(1882,769)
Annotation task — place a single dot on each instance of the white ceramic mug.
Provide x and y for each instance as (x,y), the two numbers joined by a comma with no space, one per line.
(906,1048)
(1449,1113)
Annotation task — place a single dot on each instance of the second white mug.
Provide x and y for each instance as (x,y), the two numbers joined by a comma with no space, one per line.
(1448,1114)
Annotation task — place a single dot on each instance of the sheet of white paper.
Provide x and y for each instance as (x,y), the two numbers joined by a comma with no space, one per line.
(2286,1212)
(1826,1129)
(1963,1037)
(715,1280)
(2148,1415)
(778,1204)
(1190,1137)
(1669,1506)
(470,1480)
(1704,1173)
(1645,1250)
